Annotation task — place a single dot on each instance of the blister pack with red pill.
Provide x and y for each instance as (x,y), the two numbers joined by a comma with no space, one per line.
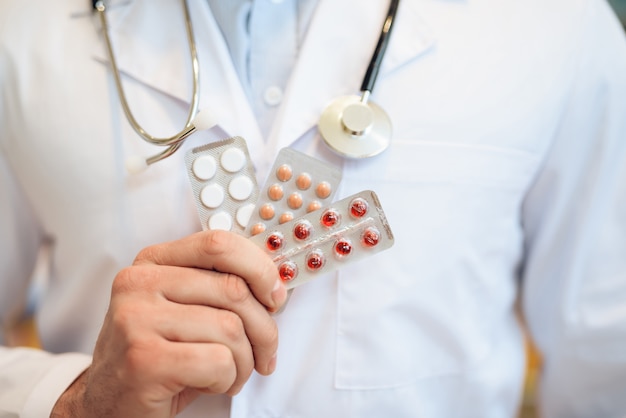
(223,182)
(296,184)
(327,238)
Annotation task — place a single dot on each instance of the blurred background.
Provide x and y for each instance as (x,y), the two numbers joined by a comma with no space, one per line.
(620,8)
(528,408)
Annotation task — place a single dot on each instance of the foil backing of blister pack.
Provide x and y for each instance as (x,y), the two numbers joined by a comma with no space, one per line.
(296,184)
(328,238)
(224,184)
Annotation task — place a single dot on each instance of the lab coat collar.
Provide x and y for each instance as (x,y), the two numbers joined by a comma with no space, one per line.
(163,63)
(333,59)
(338,47)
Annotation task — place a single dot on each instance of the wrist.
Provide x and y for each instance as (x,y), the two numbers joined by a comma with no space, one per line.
(70,403)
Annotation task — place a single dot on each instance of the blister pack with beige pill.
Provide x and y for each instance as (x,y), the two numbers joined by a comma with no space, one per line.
(327,238)
(297,184)
(224,184)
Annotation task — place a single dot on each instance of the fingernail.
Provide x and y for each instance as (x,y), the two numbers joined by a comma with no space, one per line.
(279,293)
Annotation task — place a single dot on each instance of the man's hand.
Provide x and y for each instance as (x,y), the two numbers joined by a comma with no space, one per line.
(189,316)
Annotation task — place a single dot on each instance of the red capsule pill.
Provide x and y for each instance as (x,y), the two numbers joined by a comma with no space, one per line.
(330,218)
(343,247)
(274,241)
(302,230)
(315,260)
(370,237)
(288,271)
(358,207)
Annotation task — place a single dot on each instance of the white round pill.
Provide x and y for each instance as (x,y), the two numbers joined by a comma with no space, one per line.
(212,195)
(244,213)
(204,167)
(240,188)
(233,160)
(221,220)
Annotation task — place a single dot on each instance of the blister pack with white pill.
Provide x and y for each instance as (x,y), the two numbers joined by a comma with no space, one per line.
(296,184)
(327,238)
(223,182)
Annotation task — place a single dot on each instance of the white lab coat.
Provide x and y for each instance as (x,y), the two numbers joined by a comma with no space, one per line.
(507,162)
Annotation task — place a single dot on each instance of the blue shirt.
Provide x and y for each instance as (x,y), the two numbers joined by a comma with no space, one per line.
(264,38)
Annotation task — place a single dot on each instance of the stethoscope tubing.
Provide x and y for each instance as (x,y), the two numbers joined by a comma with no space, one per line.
(173,142)
(369,80)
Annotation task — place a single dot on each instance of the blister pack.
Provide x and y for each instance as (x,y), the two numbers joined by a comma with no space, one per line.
(296,184)
(223,182)
(327,238)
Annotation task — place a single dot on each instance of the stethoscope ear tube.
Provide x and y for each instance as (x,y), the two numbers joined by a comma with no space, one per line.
(173,142)
(352,126)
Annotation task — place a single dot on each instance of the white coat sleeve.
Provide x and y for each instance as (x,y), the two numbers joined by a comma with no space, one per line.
(574,217)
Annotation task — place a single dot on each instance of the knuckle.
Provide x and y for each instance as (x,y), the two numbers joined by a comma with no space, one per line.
(148,255)
(236,289)
(141,357)
(123,280)
(135,358)
(128,279)
(216,242)
(224,367)
(127,320)
(232,326)
(134,278)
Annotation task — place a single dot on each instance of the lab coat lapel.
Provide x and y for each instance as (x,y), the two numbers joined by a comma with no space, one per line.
(150,45)
(335,55)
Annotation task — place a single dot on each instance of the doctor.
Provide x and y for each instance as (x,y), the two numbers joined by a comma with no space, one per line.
(505,179)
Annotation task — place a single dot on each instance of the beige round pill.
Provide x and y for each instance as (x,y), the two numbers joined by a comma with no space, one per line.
(284,172)
(257,228)
(294,201)
(314,205)
(285,217)
(275,192)
(266,211)
(323,190)
(303,181)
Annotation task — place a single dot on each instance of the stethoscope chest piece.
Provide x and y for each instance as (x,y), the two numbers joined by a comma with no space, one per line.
(355,129)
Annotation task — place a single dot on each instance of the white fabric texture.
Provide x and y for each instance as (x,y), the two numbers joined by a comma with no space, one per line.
(505,177)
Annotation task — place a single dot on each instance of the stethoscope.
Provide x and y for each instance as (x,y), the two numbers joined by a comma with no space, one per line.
(352,126)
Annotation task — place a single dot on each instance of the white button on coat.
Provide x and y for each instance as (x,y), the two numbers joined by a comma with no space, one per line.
(273,96)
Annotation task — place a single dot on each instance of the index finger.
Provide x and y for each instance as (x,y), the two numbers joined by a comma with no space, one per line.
(225,252)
